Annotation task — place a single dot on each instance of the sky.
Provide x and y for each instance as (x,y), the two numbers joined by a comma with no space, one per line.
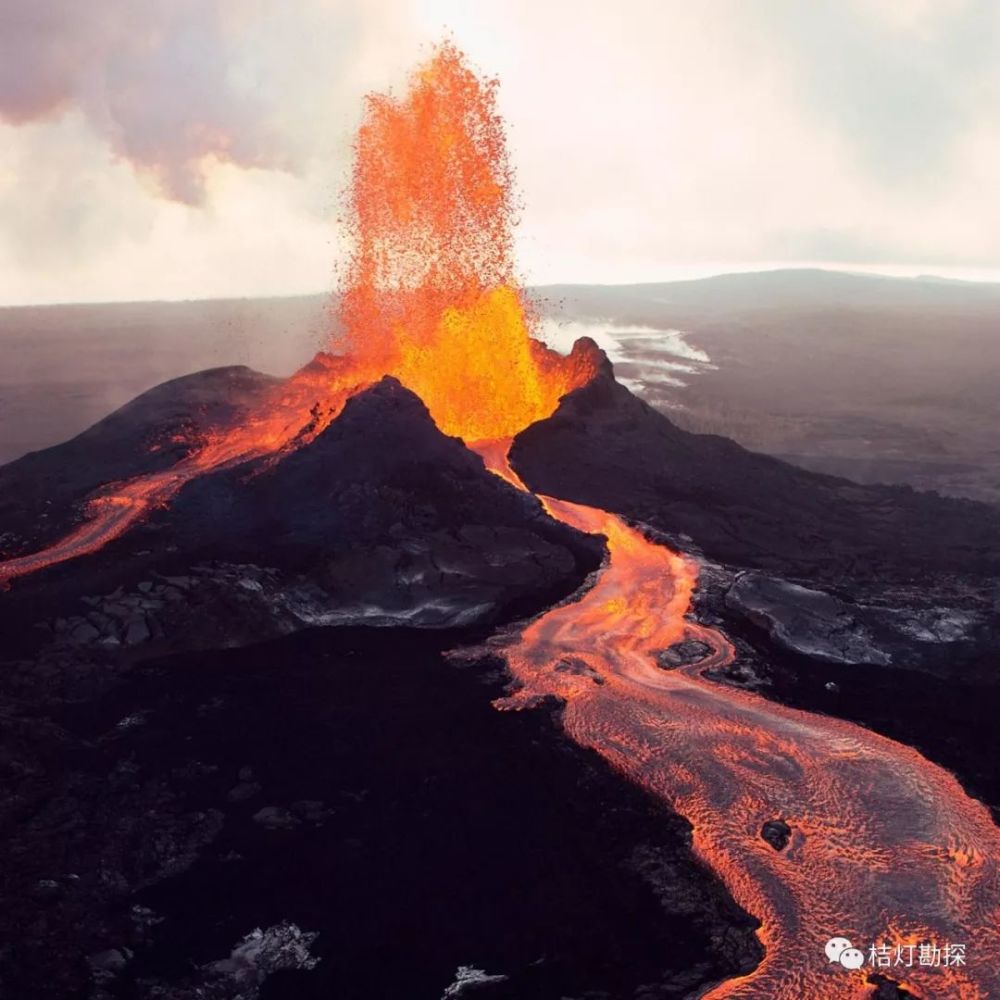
(172,149)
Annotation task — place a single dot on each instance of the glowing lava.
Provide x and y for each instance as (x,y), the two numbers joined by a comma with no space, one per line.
(886,847)
(430,295)
(291,416)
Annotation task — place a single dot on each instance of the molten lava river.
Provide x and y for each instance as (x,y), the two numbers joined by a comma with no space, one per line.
(886,848)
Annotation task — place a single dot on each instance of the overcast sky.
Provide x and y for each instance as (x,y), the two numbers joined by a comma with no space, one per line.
(192,148)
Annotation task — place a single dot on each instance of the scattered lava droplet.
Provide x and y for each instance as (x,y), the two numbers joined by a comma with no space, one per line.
(430,294)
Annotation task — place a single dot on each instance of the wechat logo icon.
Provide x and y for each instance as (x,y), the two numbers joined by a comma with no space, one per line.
(840,949)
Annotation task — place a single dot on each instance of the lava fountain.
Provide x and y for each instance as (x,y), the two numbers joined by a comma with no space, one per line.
(886,847)
(430,295)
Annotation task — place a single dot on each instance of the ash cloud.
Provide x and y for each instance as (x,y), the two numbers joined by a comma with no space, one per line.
(153,80)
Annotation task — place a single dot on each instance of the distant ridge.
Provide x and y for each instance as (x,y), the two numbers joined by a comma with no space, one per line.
(767,279)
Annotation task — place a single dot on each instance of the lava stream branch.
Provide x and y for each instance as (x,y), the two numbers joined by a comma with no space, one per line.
(289,417)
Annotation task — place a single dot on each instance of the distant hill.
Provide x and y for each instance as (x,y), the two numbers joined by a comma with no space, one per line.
(793,287)
(67,366)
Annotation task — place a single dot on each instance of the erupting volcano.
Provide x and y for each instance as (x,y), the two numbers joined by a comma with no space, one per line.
(430,298)
(884,845)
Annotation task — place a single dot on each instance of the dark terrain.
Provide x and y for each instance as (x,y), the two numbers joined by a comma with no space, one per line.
(166,793)
(351,782)
(381,518)
(41,491)
(607,448)
(878,379)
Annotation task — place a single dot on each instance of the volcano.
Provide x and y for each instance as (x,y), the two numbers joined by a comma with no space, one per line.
(379,518)
(256,630)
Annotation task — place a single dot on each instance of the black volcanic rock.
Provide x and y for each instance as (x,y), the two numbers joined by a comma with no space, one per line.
(408,823)
(42,491)
(381,463)
(683,653)
(391,518)
(777,833)
(810,622)
(607,448)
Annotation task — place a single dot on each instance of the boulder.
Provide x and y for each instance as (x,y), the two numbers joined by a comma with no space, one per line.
(776,832)
(275,818)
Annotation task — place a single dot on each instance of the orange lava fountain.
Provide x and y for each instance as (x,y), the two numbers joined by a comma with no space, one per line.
(431,295)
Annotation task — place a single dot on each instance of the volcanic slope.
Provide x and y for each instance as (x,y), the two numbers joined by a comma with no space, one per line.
(41,492)
(606,448)
(379,518)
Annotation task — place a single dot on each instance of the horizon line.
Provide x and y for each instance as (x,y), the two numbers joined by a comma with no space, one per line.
(946,275)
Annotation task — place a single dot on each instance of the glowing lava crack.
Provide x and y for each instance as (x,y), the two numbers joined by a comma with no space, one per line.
(885,846)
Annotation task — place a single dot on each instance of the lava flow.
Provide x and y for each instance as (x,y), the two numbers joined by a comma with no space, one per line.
(886,848)
(291,416)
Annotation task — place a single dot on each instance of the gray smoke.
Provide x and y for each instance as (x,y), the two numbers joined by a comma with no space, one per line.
(155,80)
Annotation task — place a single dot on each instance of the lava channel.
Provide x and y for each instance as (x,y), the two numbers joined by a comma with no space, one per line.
(886,847)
